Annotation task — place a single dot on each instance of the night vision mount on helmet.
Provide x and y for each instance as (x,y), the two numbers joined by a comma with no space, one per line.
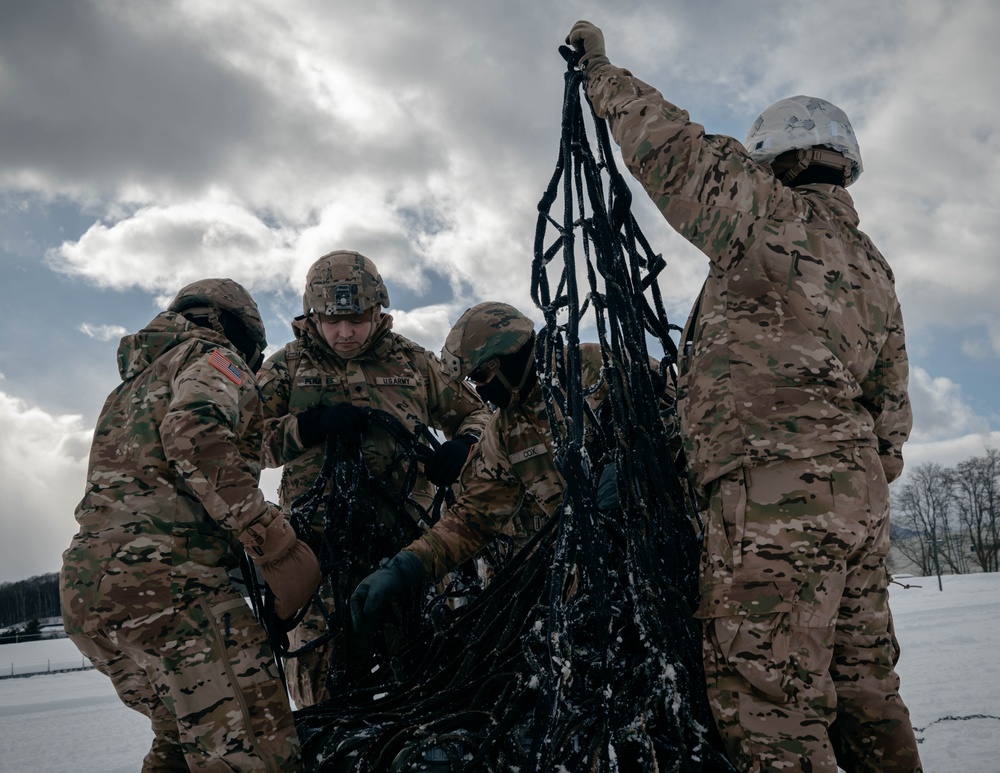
(343,282)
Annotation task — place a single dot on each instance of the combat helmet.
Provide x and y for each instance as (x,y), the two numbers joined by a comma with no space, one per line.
(806,124)
(483,333)
(225,306)
(343,282)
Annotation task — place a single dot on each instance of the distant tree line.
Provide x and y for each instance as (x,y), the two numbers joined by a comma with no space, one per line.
(950,516)
(31,599)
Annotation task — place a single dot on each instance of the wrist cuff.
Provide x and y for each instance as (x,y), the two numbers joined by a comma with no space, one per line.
(411,567)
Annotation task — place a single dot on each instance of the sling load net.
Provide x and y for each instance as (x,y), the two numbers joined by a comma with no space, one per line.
(581,654)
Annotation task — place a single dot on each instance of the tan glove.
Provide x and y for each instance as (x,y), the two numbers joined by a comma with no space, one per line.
(288,565)
(588,41)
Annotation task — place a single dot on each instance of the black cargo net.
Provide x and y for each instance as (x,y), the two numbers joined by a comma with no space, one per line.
(352,518)
(581,654)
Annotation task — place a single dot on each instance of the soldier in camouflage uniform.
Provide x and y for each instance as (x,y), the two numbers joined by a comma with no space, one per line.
(793,403)
(172,499)
(511,483)
(345,358)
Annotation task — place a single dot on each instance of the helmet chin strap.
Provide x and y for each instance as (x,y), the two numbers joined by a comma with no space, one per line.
(515,391)
(350,354)
(806,157)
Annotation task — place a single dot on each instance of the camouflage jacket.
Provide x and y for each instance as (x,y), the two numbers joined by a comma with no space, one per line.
(795,347)
(393,374)
(511,475)
(172,480)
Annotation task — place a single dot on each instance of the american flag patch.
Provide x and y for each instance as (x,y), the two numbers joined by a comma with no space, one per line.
(218,360)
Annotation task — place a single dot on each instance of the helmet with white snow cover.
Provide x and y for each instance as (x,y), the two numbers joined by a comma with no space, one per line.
(803,123)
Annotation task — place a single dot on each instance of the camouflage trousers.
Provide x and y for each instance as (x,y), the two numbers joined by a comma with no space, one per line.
(205,677)
(307,672)
(799,648)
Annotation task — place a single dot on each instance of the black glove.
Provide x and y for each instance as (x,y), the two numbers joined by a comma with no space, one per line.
(607,489)
(402,573)
(342,419)
(444,466)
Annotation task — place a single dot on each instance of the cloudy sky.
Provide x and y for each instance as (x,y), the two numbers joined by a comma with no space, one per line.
(147,143)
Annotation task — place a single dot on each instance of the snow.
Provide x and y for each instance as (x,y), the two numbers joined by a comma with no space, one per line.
(73,721)
(68,722)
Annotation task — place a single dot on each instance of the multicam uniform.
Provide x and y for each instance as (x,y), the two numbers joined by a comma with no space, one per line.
(793,402)
(145,588)
(392,374)
(510,481)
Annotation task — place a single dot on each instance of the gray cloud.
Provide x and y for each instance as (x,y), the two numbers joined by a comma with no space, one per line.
(102,332)
(42,472)
(939,408)
(246,139)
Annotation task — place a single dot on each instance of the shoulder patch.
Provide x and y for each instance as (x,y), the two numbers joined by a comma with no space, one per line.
(219,361)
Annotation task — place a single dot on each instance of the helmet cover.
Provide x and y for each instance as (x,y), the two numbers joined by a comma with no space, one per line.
(343,282)
(483,332)
(222,295)
(800,123)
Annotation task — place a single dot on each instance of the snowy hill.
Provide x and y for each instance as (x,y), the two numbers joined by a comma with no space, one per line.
(950,673)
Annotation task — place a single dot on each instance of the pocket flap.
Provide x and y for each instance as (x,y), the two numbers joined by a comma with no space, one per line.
(755,598)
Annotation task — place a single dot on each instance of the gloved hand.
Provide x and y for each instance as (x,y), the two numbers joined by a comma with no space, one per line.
(444,466)
(288,564)
(607,489)
(342,419)
(402,573)
(588,40)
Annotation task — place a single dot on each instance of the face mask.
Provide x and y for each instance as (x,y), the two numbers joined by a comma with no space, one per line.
(494,392)
(255,363)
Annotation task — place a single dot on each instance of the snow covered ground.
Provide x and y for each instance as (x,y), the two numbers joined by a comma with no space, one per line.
(56,722)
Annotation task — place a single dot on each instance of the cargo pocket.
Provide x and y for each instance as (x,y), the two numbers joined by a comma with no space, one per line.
(242,702)
(748,635)
(725,527)
(229,702)
(246,652)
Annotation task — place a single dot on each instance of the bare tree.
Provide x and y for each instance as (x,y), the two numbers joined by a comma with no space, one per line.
(977,490)
(924,508)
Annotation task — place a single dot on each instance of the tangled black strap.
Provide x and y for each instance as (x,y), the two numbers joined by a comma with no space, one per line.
(582,653)
(623,680)
(341,517)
